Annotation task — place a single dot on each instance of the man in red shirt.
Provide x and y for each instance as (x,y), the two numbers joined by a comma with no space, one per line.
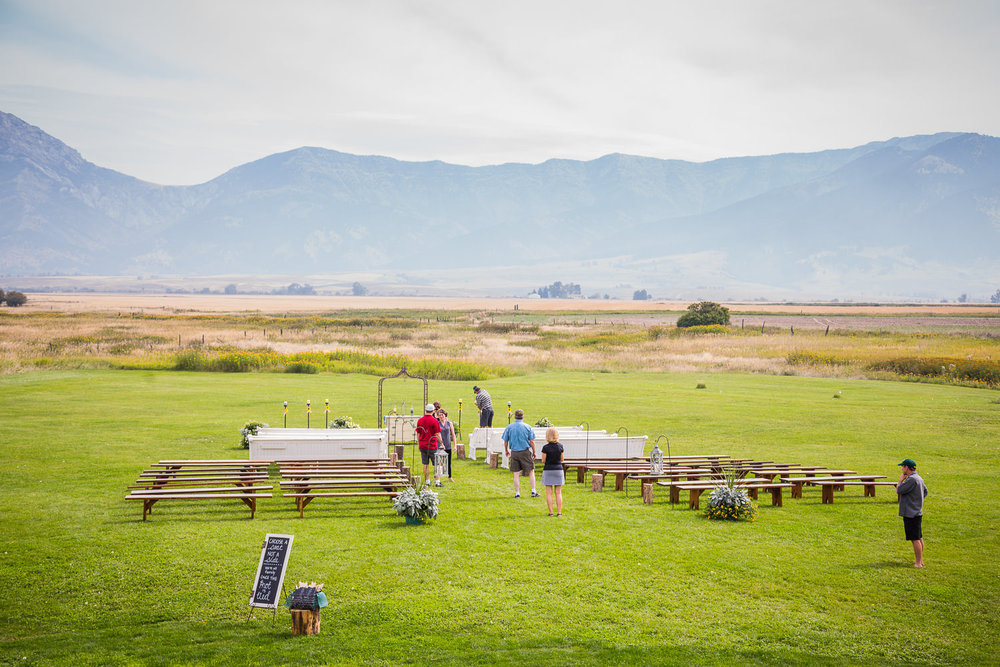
(429,439)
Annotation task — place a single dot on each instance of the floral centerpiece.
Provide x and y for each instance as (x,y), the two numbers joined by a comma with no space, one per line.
(343,422)
(730,502)
(250,428)
(544,421)
(417,507)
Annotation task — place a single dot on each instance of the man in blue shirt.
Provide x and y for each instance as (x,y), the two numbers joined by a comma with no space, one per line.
(519,446)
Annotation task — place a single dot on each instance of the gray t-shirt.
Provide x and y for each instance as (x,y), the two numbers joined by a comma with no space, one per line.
(912,492)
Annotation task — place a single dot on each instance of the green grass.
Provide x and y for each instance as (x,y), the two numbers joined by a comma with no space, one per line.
(493,580)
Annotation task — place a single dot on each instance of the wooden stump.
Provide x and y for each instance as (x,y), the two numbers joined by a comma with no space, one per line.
(460,451)
(405,470)
(305,622)
(494,460)
(647,493)
(400,452)
(392,458)
(597,482)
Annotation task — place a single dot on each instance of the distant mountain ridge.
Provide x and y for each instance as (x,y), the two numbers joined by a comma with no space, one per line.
(907,216)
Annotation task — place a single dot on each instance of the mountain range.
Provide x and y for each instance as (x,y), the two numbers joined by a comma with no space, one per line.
(912,217)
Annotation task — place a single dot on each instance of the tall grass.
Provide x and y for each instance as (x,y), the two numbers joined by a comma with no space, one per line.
(340,361)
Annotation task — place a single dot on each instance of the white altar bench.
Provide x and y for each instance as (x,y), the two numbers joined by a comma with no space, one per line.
(342,443)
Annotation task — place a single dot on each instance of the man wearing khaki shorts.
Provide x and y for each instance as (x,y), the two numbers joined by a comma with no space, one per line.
(519,446)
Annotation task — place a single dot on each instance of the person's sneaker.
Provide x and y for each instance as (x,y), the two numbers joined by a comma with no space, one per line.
(517,495)
(535,494)
(438,484)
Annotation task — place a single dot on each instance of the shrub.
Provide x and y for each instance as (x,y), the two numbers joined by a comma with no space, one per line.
(15,299)
(544,421)
(706,329)
(704,312)
(968,370)
(420,505)
(729,502)
(301,367)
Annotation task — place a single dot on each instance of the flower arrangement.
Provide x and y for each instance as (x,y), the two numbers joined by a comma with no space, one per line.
(250,428)
(731,502)
(417,506)
(544,421)
(343,422)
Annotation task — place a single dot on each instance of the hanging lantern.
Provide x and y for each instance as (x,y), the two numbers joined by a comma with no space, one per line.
(656,461)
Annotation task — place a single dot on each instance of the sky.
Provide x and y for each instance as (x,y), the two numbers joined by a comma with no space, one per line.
(180,91)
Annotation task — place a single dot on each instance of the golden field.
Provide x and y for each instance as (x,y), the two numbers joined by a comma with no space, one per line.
(833,340)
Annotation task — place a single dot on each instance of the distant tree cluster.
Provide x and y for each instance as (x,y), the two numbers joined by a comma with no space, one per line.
(13,298)
(996,297)
(357,289)
(704,312)
(641,295)
(297,289)
(558,291)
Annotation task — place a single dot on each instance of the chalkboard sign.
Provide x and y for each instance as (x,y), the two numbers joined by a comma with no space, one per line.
(271,571)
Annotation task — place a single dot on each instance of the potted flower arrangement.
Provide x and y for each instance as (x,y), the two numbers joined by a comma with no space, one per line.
(343,422)
(250,428)
(730,502)
(417,507)
(544,421)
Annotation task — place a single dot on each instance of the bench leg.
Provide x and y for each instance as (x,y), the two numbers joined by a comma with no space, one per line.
(752,492)
(694,501)
(675,495)
(776,497)
(870,490)
(619,481)
(796,489)
(827,494)
(581,474)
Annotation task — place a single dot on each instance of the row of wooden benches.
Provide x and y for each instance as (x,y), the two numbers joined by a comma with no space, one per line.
(697,474)
(246,481)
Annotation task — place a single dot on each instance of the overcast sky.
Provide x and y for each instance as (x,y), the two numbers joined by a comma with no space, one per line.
(179,91)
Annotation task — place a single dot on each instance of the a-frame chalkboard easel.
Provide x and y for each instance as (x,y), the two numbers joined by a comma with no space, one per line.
(270,577)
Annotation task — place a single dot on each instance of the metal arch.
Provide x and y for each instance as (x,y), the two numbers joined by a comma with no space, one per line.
(402,372)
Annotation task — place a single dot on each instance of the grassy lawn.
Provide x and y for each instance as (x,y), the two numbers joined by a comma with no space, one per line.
(495,580)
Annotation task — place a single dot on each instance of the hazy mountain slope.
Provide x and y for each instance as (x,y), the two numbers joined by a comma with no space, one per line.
(865,215)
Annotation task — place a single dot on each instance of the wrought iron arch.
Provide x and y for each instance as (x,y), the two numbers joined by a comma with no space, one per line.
(402,373)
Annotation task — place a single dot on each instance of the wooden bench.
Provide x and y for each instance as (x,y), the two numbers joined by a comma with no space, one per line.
(836,477)
(168,482)
(838,485)
(247,494)
(304,491)
(774,488)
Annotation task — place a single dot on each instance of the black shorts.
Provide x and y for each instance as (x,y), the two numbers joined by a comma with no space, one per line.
(912,527)
(427,456)
(486,418)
